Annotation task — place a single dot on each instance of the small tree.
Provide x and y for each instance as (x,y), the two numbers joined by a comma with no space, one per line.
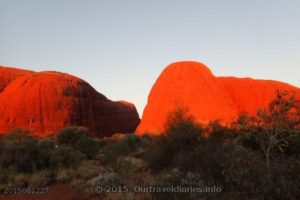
(182,134)
(272,129)
(182,131)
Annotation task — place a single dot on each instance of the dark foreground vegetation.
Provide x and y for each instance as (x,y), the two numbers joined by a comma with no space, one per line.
(256,157)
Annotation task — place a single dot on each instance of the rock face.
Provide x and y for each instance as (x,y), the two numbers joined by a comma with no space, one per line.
(45,102)
(8,74)
(250,94)
(208,98)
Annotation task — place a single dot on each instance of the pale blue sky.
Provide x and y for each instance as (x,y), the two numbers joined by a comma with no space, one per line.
(121,46)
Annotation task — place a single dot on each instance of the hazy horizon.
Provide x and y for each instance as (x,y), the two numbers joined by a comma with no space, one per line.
(120,47)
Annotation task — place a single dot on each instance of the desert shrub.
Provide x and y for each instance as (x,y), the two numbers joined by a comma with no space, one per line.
(238,172)
(218,133)
(65,175)
(115,150)
(78,138)
(3,177)
(182,134)
(80,186)
(182,131)
(264,154)
(70,135)
(284,179)
(88,169)
(79,174)
(175,177)
(293,149)
(45,149)
(243,170)
(136,144)
(40,179)
(105,179)
(129,165)
(21,180)
(66,156)
(88,146)
(206,158)
(120,145)
(135,141)
(158,154)
(272,129)
(131,139)
(18,150)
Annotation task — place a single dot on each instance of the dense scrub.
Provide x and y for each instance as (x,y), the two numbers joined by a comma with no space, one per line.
(257,157)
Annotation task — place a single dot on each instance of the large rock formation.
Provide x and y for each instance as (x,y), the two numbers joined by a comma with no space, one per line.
(208,98)
(45,102)
(249,94)
(8,74)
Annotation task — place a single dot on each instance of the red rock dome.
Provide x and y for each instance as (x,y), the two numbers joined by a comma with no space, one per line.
(250,94)
(208,98)
(45,102)
(191,85)
(8,74)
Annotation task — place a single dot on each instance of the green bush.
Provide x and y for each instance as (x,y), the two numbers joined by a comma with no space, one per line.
(115,150)
(131,139)
(18,151)
(88,146)
(158,155)
(66,156)
(182,134)
(70,135)
(45,148)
